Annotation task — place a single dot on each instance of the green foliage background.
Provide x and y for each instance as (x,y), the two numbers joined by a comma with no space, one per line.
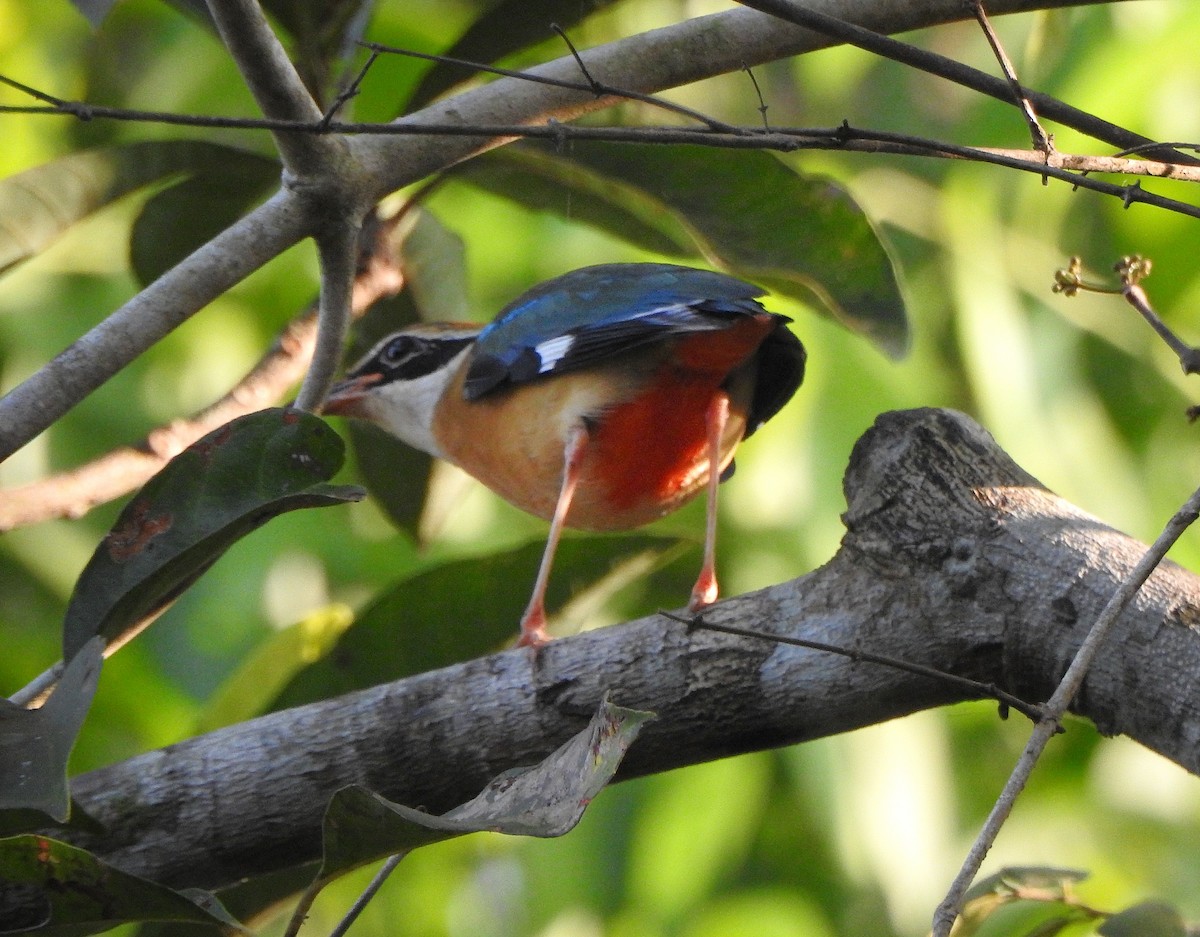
(853,835)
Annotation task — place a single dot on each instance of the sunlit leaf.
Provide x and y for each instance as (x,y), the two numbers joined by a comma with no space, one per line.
(39,204)
(71,892)
(208,497)
(36,743)
(457,611)
(801,236)
(545,800)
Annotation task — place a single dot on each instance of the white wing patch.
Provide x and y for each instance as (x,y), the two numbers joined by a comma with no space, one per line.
(552,351)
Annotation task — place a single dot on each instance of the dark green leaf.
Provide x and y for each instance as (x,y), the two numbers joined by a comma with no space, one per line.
(801,236)
(38,205)
(545,800)
(178,220)
(507,27)
(397,475)
(457,611)
(1148,919)
(208,497)
(72,892)
(35,743)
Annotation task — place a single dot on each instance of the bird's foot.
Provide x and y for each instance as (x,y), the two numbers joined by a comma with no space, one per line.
(533,627)
(705,592)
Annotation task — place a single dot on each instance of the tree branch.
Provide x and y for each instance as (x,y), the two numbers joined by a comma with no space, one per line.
(275,84)
(954,558)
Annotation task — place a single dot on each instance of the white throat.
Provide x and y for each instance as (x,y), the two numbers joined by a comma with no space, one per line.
(406,408)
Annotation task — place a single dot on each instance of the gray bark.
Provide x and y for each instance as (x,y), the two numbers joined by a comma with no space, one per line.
(954,557)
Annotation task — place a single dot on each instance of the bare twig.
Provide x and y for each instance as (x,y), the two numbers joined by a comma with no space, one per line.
(589,84)
(983,690)
(1132,270)
(368,893)
(762,104)
(350,91)
(1041,140)
(1056,708)
(958,73)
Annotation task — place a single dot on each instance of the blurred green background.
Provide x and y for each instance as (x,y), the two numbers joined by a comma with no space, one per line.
(858,834)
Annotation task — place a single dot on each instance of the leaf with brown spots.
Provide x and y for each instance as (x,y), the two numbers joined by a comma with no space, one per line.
(207,498)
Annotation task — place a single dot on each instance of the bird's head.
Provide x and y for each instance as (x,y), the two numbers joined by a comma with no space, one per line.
(398,383)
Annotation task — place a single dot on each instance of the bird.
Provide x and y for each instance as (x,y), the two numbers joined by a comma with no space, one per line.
(602,399)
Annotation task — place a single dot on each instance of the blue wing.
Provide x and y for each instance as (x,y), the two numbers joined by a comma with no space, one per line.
(590,314)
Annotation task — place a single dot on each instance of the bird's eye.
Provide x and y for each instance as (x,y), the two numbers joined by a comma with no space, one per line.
(397,351)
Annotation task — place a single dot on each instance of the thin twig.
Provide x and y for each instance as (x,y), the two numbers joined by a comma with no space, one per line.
(1056,708)
(954,71)
(368,893)
(974,687)
(590,85)
(1132,269)
(350,91)
(762,104)
(1041,139)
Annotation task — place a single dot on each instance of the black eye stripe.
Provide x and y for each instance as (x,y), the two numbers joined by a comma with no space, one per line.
(407,357)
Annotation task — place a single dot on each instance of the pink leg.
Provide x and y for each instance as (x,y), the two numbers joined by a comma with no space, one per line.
(533,622)
(705,591)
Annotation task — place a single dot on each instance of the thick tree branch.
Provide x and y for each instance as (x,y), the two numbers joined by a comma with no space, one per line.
(370,168)
(274,82)
(954,558)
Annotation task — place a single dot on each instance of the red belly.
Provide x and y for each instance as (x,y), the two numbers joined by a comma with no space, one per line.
(650,455)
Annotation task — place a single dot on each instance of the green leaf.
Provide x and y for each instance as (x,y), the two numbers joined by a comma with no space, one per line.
(36,743)
(208,497)
(507,27)
(801,236)
(39,204)
(1148,919)
(545,800)
(71,892)
(457,611)
(182,218)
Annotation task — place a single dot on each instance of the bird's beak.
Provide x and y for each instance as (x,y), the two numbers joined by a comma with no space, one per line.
(345,396)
